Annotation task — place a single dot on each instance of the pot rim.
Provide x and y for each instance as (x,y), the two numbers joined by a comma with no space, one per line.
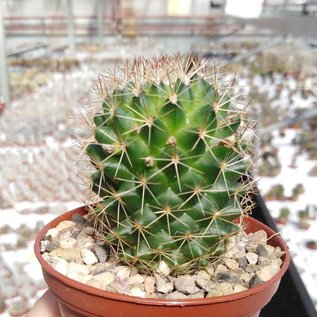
(158,301)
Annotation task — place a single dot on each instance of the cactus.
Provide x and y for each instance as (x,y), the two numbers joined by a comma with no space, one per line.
(303,219)
(297,191)
(170,150)
(283,215)
(276,192)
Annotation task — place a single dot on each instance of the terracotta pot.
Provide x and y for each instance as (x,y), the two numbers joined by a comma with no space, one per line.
(77,299)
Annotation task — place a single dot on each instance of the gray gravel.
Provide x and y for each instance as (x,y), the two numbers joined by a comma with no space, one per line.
(72,250)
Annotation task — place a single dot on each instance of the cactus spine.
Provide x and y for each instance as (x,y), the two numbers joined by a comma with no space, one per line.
(170,152)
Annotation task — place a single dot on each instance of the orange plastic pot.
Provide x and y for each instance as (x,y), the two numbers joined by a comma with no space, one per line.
(77,299)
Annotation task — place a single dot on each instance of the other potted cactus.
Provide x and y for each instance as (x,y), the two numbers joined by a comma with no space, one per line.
(171,189)
(297,191)
(276,192)
(303,219)
(283,216)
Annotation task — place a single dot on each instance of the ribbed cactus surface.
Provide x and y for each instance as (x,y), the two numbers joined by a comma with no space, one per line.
(171,162)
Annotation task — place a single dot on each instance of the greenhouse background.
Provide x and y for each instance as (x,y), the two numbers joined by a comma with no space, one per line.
(51,51)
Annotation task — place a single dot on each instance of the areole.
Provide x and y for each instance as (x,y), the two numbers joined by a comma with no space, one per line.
(77,299)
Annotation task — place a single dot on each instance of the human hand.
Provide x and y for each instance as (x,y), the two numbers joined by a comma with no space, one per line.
(46,306)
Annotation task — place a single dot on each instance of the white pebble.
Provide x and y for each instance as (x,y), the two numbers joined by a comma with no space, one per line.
(186,284)
(163,269)
(101,280)
(53,232)
(58,264)
(221,268)
(136,279)
(258,237)
(106,278)
(69,243)
(135,291)
(231,264)
(239,288)
(149,284)
(88,257)
(267,272)
(252,257)
(77,269)
(69,254)
(123,272)
(65,224)
(163,286)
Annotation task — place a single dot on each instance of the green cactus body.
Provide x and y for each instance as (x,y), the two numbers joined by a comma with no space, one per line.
(171,163)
